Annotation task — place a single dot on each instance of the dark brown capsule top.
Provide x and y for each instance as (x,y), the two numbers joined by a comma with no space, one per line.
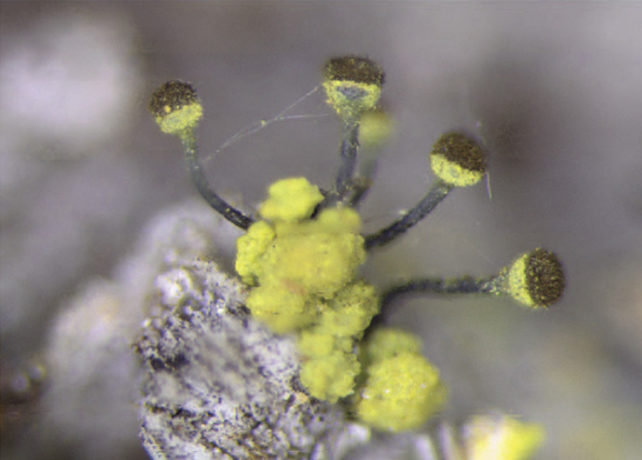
(544,277)
(461,150)
(171,96)
(354,68)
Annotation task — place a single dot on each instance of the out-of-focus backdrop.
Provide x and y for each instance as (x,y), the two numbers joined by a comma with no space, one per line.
(553,89)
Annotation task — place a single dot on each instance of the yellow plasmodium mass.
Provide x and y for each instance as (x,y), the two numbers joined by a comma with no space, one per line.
(330,365)
(304,276)
(314,343)
(330,377)
(350,311)
(281,308)
(314,263)
(290,200)
(299,264)
(250,247)
(388,342)
(402,389)
(504,438)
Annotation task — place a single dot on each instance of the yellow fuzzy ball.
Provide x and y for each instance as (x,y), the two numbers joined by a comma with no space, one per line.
(400,393)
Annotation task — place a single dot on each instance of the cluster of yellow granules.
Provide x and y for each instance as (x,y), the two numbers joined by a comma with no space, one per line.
(305,275)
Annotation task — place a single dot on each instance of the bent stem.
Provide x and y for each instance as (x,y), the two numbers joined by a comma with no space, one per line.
(228,211)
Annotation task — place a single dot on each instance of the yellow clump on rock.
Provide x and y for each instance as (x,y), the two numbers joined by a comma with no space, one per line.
(330,377)
(388,342)
(402,388)
(304,272)
(329,366)
(283,309)
(400,393)
(312,263)
(290,256)
(290,200)
(349,313)
(250,248)
(314,343)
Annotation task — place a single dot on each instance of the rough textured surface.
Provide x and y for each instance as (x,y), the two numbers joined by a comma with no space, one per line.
(217,383)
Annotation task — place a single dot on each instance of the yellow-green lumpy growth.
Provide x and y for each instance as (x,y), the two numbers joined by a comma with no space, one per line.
(402,389)
(329,366)
(400,393)
(250,247)
(304,276)
(283,309)
(386,342)
(337,220)
(489,438)
(314,343)
(349,313)
(313,263)
(331,376)
(290,200)
(300,265)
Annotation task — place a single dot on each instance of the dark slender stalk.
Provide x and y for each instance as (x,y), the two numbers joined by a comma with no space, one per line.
(464,285)
(365,176)
(198,177)
(348,157)
(438,191)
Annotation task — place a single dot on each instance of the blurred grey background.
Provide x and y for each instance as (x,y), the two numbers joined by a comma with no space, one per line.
(553,89)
